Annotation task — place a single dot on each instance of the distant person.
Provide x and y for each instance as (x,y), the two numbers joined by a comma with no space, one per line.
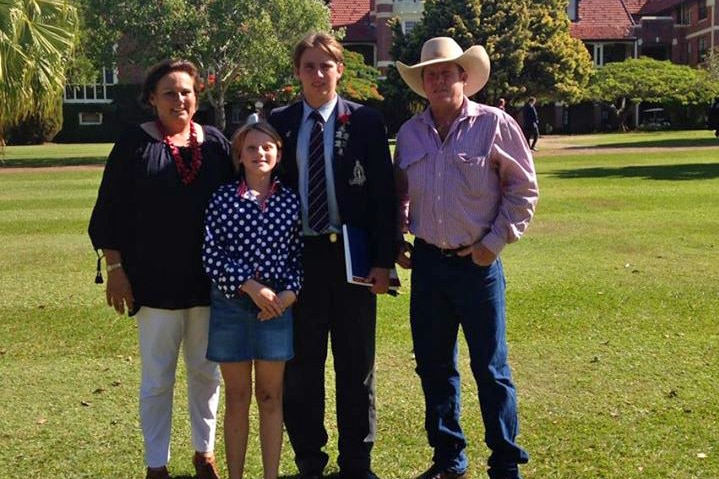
(148,222)
(252,254)
(501,104)
(467,188)
(713,117)
(252,118)
(531,123)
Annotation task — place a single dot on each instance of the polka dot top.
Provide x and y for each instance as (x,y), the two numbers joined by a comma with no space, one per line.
(245,239)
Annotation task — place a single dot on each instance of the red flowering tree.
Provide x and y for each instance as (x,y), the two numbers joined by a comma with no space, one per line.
(359,81)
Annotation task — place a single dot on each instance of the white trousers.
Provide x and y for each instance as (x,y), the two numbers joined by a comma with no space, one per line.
(161,332)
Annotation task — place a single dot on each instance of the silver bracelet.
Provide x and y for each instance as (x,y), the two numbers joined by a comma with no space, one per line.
(113,267)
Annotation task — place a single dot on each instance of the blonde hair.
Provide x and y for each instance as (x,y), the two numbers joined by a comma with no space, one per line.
(324,41)
(238,140)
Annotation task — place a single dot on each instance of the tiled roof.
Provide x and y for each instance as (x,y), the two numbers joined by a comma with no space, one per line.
(653,7)
(603,20)
(634,6)
(353,15)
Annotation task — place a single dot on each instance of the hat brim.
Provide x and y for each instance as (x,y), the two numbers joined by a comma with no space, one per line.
(474,61)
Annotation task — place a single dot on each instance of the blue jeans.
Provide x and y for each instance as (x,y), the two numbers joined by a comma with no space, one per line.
(449,291)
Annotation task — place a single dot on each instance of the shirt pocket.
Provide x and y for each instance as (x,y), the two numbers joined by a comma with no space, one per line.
(471,172)
(417,168)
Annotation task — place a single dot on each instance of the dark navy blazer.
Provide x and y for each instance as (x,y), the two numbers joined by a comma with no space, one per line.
(371,205)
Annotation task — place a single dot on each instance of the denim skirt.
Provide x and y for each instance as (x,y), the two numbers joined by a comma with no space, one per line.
(237,335)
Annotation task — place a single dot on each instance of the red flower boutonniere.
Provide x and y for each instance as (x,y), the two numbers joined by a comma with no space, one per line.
(342,135)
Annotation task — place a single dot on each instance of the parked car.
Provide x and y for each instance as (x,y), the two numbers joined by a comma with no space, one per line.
(655,119)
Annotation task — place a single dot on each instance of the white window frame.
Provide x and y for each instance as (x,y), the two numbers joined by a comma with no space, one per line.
(81,117)
(92,93)
(408,25)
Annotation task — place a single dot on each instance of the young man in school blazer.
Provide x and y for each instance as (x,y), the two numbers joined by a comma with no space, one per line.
(360,191)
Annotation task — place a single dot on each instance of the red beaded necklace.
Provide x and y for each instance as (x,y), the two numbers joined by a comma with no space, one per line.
(187,175)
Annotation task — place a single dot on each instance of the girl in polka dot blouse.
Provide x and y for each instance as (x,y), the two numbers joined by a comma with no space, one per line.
(252,255)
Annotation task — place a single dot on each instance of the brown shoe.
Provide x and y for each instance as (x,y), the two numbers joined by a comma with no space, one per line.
(157,473)
(205,467)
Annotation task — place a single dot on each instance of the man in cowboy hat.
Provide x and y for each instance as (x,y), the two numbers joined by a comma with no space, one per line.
(467,188)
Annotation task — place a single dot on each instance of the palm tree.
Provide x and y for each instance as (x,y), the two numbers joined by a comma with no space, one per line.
(37,38)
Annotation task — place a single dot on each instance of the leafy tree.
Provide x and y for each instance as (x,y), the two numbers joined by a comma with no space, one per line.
(400,102)
(558,67)
(634,81)
(528,43)
(36,42)
(359,81)
(241,46)
(711,63)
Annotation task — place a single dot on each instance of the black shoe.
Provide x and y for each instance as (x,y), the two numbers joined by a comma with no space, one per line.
(435,473)
(358,475)
(310,475)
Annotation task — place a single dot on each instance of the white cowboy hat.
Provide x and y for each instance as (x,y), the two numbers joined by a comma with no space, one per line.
(474,61)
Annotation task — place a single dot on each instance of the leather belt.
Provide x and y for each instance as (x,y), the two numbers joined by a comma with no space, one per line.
(444,252)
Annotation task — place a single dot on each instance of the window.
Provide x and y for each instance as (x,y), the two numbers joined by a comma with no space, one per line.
(90,118)
(615,52)
(702,4)
(408,26)
(572,11)
(595,52)
(93,93)
(685,14)
(237,114)
(603,53)
(701,48)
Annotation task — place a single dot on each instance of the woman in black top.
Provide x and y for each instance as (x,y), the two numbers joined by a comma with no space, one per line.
(148,221)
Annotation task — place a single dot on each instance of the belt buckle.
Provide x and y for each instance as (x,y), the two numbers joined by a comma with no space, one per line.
(447,253)
(333,237)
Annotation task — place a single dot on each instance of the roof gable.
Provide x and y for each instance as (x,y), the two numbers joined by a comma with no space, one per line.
(604,20)
(634,6)
(354,16)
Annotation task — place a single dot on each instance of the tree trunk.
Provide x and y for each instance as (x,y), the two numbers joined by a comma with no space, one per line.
(216,97)
(220,119)
(623,114)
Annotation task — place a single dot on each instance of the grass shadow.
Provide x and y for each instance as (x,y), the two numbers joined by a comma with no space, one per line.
(662,143)
(50,162)
(684,172)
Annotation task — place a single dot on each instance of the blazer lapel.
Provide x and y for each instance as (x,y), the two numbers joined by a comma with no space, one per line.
(341,111)
(294,118)
(288,125)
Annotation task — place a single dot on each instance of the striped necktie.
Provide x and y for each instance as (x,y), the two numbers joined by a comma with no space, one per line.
(317,208)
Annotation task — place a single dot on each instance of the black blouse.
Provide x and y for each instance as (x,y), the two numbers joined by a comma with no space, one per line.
(156,222)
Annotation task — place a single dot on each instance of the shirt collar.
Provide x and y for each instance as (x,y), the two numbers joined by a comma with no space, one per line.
(246,194)
(469,108)
(325,110)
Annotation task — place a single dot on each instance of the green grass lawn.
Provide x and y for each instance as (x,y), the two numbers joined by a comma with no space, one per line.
(672,138)
(612,304)
(55,154)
